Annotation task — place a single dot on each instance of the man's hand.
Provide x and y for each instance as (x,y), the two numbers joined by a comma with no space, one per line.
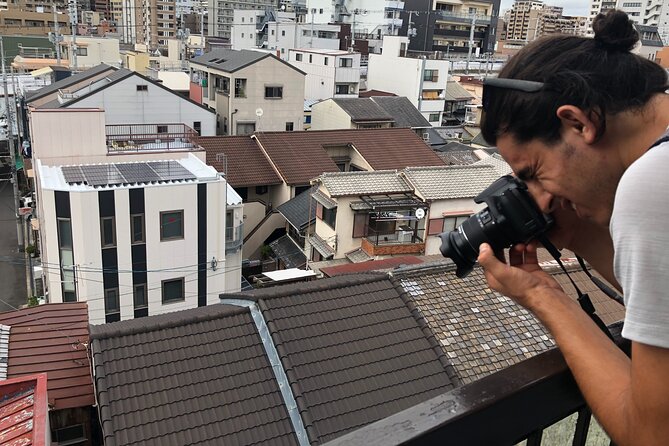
(522,279)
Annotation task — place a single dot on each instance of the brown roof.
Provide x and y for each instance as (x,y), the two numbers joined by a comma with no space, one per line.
(52,338)
(300,156)
(352,350)
(246,164)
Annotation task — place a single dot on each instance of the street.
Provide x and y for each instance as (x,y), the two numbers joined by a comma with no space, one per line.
(12,270)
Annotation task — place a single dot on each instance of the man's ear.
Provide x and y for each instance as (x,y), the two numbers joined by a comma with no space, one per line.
(578,123)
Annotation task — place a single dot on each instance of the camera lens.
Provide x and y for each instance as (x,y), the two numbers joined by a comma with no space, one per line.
(462,245)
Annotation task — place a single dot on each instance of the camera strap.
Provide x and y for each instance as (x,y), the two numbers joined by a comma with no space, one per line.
(583,298)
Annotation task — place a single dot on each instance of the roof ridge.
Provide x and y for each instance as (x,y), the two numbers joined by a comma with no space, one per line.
(359,173)
(475,166)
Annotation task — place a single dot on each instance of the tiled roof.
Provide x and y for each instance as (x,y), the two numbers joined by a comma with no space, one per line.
(458,158)
(341,184)
(52,338)
(363,109)
(288,252)
(440,183)
(374,93)
(300,210)
(300,156)
(403,111)
(71,80)
(455,92)
(229,60)
(353,349)
(496,160)
(371,265)
(321,246)
(246,164)
(189,377)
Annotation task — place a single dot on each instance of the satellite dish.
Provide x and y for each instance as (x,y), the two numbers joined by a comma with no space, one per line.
(420,213)
(259,112)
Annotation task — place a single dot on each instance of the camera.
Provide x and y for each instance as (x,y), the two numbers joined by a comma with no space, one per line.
(511,216)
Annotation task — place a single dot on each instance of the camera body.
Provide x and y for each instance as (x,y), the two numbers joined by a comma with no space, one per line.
(511,216)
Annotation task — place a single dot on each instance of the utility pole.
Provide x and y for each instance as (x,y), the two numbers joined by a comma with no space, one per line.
(72,6)
(311,39)
(56,33)
(12,151)
(471,43)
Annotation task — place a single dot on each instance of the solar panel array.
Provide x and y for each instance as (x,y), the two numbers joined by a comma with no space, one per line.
(126,173)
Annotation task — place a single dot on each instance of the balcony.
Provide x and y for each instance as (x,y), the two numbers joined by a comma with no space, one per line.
(402,241)
(234,237)
(518,403)
(456,17)
(148,138)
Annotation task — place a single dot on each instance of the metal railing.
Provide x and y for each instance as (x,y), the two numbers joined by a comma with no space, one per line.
(515,404)
(234,237)
(150,137)
(399,237)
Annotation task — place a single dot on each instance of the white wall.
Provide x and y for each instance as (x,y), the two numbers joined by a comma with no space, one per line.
(99,50)
(123,104)
(327,115)
(320,78)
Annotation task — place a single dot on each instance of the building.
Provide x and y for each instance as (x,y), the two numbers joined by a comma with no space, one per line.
(329,73)
(148,22)
(651,42)
(221,14)
(19,22)
(424,81)
(373,112)
(91,51)
(250,91)
(281,31)
(528,20)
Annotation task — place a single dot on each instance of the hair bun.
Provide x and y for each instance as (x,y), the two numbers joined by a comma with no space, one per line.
(614,31)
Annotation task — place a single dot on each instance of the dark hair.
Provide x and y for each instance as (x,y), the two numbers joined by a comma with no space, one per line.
(600,76)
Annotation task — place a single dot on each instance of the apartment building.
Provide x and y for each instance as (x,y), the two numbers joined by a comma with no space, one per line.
(221,14)
(329,73)
(369,19)
(645,12)
(149,22)
(16,22)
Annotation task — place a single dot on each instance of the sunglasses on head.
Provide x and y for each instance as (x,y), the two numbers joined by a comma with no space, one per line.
(491,83)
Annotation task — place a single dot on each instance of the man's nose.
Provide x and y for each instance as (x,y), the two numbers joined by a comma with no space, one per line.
(545,200)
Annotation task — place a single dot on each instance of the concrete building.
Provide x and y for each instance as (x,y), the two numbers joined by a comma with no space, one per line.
(150,22)
(369,19)
(91,51)
(27,23)
(167,232)
(221,14)
(280,32)
(424,81)
(329,73)
(648,13)
(250,91)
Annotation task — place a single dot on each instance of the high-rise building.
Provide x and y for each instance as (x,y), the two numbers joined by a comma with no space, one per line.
(649,13)
(149,22)
(220,14)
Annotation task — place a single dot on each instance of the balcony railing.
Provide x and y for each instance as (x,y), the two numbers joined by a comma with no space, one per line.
(507,407)
(123,138)
(402,241)
(456,17)
(234,238)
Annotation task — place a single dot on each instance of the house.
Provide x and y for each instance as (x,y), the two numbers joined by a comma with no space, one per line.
(424,81)
(296,364)
(91,51)
(51,341)
(128,97)
(24,411)
(250,90)
(270,168)
(457,100)
(300,215)
(373,112)
(330,73)
(74,82)
(168,228)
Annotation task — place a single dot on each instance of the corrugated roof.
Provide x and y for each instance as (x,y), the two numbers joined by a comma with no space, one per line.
(300,210)
(24,411)
(71,80)
(441,183)
(52,338)
(363,109)
(352,350)
(403,111)
(229,60)
(288,252)
(341,184)
(246,164)
(189,377)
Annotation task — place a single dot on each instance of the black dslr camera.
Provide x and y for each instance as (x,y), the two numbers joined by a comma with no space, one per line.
(512,217)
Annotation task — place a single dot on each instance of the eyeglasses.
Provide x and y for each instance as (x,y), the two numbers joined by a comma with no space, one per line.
(489,84)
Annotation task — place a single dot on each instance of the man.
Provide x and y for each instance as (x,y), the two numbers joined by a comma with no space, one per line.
(582,122)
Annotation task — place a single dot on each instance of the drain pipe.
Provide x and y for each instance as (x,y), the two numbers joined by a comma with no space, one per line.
(277,367)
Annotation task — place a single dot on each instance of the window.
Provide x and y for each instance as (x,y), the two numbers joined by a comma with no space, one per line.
(139,297)
(325,61)
(142,88)
(242,22)
(434,117)
(173,290)
(298,57)
(272,32)
(111,301)
(346,62)
(137,228)
(431,75)
(452,222)
(360,225)
(65,232)
(273,92)
(439,225)
(82,51)
(74,434)
(162,129)
(172,225)
(283,33)
(329,216)
(311,58)
(242,35)
(197,126)
(261,190)
(240,88)
(320,11)
(341,89)
(289,126)
(108,232)
(307,119)
(430,95)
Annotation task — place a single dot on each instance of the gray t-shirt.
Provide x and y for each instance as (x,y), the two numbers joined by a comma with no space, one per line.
(640,230)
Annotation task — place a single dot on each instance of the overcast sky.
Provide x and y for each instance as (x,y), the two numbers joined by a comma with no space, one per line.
(571,7)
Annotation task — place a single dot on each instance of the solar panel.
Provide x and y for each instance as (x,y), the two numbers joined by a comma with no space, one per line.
(138,173)
(73,174)
(171,170)
(102,175)
(126,173)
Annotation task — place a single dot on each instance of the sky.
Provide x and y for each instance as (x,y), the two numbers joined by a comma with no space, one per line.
(571,7)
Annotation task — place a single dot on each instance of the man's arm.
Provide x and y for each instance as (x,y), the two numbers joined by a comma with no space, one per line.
(630,398)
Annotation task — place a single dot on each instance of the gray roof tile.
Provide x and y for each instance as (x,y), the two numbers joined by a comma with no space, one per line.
(403,111)
(229,60)
(300,210)
(363,109)
(496,160)
(440,183)
(340,184)
(71,80)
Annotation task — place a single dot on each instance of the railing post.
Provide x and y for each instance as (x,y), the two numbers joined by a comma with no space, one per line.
(534,439)
(582,426)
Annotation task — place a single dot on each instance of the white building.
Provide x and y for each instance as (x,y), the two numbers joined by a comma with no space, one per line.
(92,51)
(367,17)
(423,81)
(132,223)
(329,73)
(280,32)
